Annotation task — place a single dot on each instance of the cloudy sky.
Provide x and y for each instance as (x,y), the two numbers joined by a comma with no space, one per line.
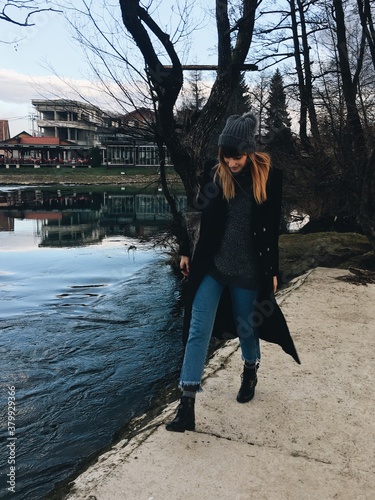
(24,71)
(33,66)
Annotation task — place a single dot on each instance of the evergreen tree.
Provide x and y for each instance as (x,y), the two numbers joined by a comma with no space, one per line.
(279,136)
(194,96)
(239,102)
(280,144)
(193,100)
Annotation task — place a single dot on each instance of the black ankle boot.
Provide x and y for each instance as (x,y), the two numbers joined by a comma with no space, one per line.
(185,417)
(249,381)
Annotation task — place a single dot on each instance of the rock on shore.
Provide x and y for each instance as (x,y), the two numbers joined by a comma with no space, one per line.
(301,252)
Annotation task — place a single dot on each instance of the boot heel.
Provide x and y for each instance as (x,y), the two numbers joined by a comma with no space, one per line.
(185,417)
(190,427)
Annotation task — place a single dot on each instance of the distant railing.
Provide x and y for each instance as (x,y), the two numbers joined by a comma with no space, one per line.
(45,162)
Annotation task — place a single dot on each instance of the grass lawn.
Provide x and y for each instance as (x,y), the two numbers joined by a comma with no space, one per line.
(81,175)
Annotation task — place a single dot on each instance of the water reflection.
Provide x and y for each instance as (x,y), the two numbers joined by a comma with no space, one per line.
(82,216)
(89,326)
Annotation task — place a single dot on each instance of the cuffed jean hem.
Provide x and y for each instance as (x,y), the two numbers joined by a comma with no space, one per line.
(255,361)
(182,385)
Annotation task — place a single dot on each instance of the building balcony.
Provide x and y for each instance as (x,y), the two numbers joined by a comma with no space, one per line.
(66,124)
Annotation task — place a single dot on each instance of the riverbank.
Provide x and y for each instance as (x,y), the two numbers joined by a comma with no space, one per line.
(308,432)
(28,176)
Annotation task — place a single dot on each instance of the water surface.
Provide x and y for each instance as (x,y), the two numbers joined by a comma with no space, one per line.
(90,323)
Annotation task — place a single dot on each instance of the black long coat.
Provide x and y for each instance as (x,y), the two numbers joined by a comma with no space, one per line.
(212,208)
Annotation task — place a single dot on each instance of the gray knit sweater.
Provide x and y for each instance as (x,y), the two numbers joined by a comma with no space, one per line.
(236,261)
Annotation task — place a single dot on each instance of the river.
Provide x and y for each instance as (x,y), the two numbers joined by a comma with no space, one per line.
(90,326)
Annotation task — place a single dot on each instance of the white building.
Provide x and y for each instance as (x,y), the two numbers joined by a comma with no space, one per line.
(70,121)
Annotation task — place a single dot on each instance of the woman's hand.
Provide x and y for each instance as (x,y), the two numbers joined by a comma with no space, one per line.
(274,284)
(185,265)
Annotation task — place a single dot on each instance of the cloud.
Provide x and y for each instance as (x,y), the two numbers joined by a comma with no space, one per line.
(18,89)
(15,87)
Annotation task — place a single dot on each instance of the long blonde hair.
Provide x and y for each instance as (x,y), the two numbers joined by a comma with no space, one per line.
(260,165)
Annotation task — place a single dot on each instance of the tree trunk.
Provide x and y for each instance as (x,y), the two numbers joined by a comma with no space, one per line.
(367,210)
(367,23)
(300,76)
(188,151)
(362,167)
(357,137)
(308,76)
(228,76)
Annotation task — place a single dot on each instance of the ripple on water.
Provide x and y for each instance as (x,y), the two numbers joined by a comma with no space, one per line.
(88,360)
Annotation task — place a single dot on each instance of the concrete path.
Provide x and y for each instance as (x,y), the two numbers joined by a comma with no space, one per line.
(309,433)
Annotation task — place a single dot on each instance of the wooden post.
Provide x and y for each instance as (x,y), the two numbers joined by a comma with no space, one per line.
(208,67)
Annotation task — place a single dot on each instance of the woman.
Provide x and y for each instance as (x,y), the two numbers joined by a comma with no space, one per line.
(233,264)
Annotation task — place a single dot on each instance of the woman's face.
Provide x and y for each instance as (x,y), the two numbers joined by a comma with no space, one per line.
(236,163)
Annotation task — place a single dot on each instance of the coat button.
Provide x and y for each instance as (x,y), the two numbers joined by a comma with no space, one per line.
(255,233)
(260,253)
(268,249)
(264,229)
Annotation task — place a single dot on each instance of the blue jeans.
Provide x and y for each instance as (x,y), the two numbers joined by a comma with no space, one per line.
(202,320)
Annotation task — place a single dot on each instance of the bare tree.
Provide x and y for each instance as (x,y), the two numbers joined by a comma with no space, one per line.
(258,97)
(333,95)
(348,86)
(283,35)
(188,151)
(341,91)
(366,18)
(194,95)
(306,77)
(367,207)
(157,84)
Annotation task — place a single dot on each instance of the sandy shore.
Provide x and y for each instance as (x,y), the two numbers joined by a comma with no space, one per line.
(309,432)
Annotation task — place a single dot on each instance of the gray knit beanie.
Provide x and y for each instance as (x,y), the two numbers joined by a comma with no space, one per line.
(239,133)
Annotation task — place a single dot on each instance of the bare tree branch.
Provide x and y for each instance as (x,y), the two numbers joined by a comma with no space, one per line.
(21,12)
